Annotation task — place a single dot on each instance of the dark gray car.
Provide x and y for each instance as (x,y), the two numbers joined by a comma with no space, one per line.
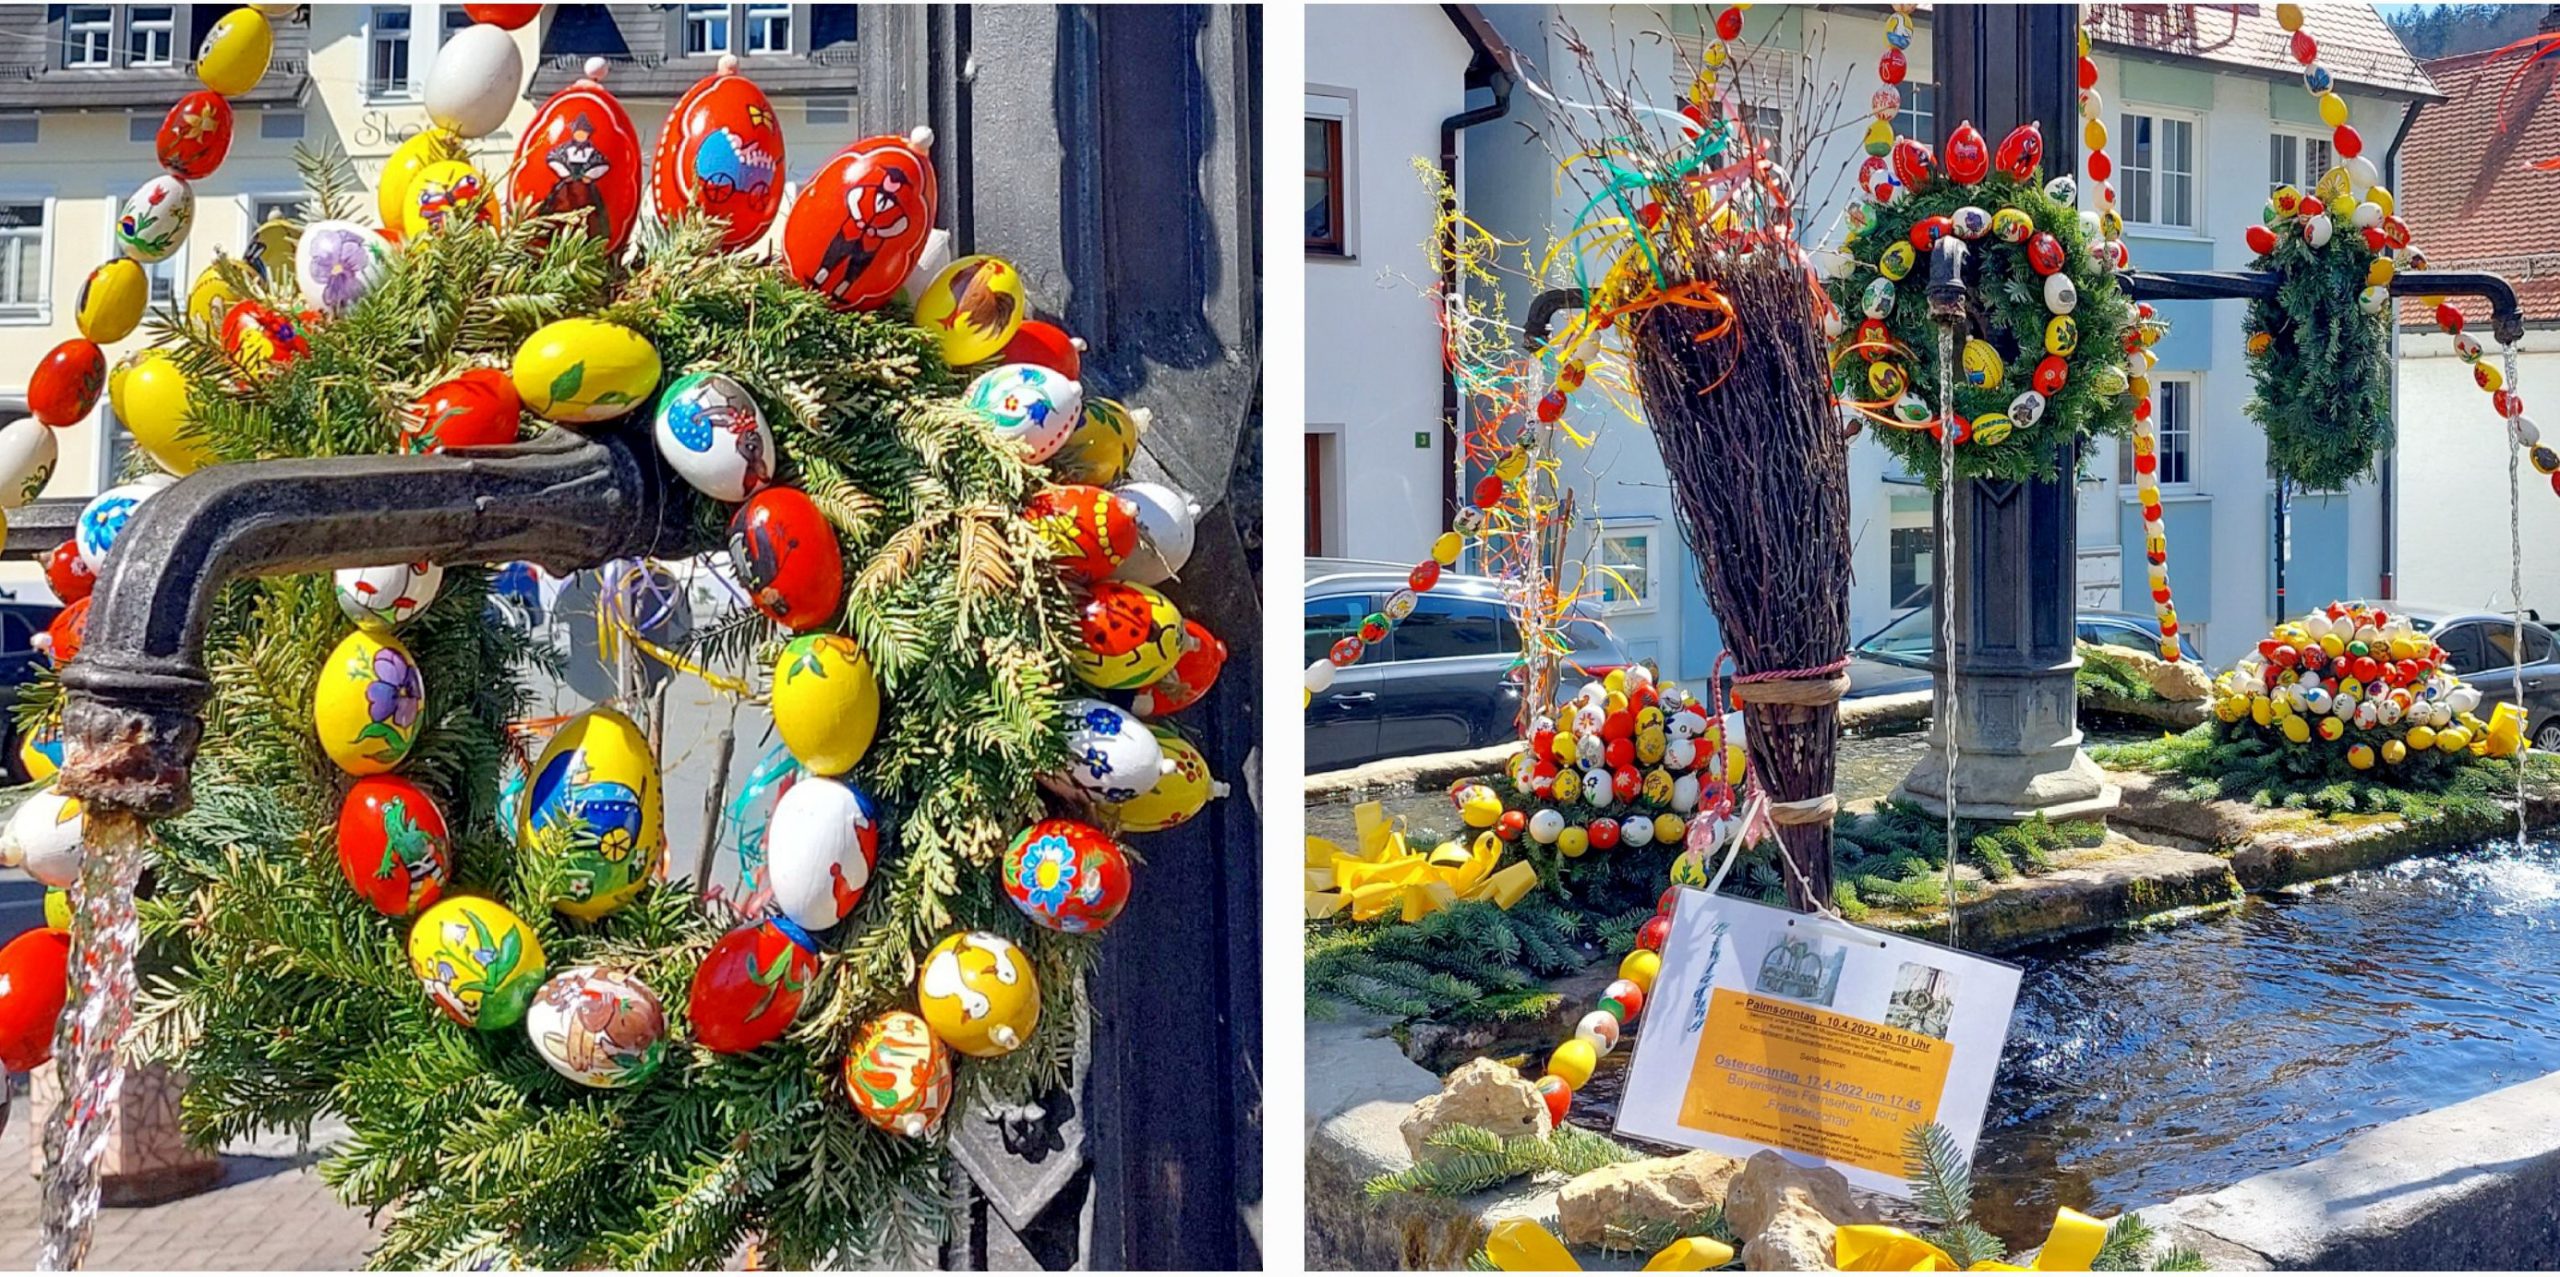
(1896,658)
(1444,678)
(2481,648)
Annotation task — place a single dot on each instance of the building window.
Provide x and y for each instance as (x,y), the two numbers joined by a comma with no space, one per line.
(768,28)
(1324,187)
(164,274)
(267,208)
(151,35)
(89,35)
(2158,170)
(1918,118)
(2297,160)
(142,128)
(23,268)
(119,448)
(387,52)
(706,29)
(1767,126)
(829,110)
(280,126)
(1914,550)
(2173,420)
(1624,565)
(19,130)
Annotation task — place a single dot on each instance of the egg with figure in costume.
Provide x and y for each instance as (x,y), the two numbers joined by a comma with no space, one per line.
(581,371)
(711,431)
(821,847)
(393,845)
(390,595)
(978,992)
(748,989)
(1031,407)
(826,702)
(369,703)
(478,961)
(720,154)
(579,159)
(1067,876)
(785,553)
(598,1026)
(1129,636)
(974,307)
(44,837)
(1099,449)
(1111,755)
(861,222)
(899,1075)
(1179,794)
(595,798)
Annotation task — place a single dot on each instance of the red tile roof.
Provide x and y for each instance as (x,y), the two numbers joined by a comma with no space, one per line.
(2356,45)
(2467,190)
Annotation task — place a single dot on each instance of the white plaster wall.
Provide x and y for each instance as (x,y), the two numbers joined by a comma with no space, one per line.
(2451,503)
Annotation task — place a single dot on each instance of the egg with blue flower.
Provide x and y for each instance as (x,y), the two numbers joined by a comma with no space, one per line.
(103,520)
(1111,755)
(1067,876)
(1029,406)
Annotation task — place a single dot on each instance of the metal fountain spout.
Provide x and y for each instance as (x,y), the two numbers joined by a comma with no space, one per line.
(1949,299)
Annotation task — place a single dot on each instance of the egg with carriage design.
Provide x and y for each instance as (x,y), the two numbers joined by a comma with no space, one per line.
(595,796)
(721,155)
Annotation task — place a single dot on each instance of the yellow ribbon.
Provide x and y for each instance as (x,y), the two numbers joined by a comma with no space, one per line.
(1387,876)
(1525,1246)
(615,627)
(2070,1247)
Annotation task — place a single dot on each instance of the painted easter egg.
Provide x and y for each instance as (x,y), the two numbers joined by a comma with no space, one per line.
(1089,531)
(821,847)
(369,703)
(66,383)
(63,634)
(1203,655)
(748,988)
(1111,754)
(389,595)
(393,846)
(444,192)
(580,371)
(43,837)
(1179,794)
(509,17)
(1099,449)
(337,262)
(579,157)
(474,410)
(711,431)
(391,194)
(720,154)
(40,752)
(233,57)
(103,519)
(112,300)
(860,222)
(598,1026)
(35,982)
(211,294)
(195,135)
(786,555)
(826,702)
(1067,876)
(899,1075)
(979,994)
(261,337)
(472,83)
(1166,524)
(597,784)
(1040,342)
(154,219)
(973,308)
(28,450)
(478,961)
(1028,406)
(1130,636)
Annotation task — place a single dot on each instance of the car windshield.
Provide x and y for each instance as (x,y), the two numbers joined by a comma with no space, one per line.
(1907,636)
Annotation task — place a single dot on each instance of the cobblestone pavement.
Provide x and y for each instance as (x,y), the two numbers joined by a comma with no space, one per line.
(269,1212)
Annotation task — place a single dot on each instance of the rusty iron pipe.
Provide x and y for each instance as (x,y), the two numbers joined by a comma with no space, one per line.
(133,714)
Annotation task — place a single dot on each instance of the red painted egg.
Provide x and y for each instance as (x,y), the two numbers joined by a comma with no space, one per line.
(748,988)
(1091,531)
(860,222)
(196,135)
(68,574)
(2051,372)
(474,410)
(2044,252)
(1040,342)
(2021,153)
(1655,930)
(392,845)
(720,155)
(67,382)
(1604,834)
(35,980)
(580,155)
(782,548)
(1067,876)
(258,334)
(1911,160)
(1203,655)
(1968,157)
(2261,240)
(1424,575)
(64,632)
(508,17)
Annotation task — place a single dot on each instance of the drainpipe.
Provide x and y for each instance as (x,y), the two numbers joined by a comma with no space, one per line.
(2389,582)
(1492,66)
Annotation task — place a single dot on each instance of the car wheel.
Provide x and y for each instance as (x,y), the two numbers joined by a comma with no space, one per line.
(2547,737)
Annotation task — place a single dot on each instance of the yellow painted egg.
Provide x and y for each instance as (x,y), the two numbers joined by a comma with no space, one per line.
(41,751)
(2061,336)
(1573,1061)
(1568,785)
(1650,744)
(479,962)
(151,400)
(1992,427)
(234,55)
(369,703)
(1128,636)
(2453,740)
(2360,757)
(1479,806)
(1668,829)
(1640,966)
(1099,449)
(1982,364)
(1179,794)
(2297,729)
(391,194)
(973,308)
(2394,751)
(579,371)
(112,300)
(1446,547)
(1658,786)
(597,781)
(978,992)
(1573,842)
(209,297)
(826,702)
(57,909)
(2422,736)
(446,193)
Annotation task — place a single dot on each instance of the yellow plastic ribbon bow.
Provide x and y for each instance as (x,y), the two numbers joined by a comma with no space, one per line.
(1386,875)
(1525,1246)
(1877,1248)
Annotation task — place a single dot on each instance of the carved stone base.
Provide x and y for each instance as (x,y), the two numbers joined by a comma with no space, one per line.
(2017,751)
(148,1159)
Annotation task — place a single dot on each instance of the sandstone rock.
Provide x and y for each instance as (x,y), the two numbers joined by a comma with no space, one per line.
(2172,680)
(1482,1093)
(1629,1195)
(1786,1214)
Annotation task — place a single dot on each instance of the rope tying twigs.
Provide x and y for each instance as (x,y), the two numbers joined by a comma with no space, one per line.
(1816,810)
(1790,691)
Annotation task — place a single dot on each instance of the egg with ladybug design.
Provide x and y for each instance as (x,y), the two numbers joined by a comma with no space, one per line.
(974,308)
(598,1026)
(1111,756)
(195,135)
(822,844)
(899,1075)
(478,961)
(389,595)
(748,989)
(979,993)
(860,222)
(1031,407)
(1067,876)
(1203,655)
(1129,635)
(714,436)
(594,798)
(720,154)
(393,845)
(67,382)
(154,220)
(578,158)
(1089,531)
(476,409)
(785,553)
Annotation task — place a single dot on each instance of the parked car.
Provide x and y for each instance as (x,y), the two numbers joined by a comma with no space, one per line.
(1896,657)
(1442,680)
(2481,648)
(20,622)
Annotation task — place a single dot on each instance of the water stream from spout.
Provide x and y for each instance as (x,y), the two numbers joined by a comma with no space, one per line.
(1945,711)
(105,935)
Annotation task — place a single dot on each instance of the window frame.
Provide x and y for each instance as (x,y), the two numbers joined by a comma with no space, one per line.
(1650,600)
(2121,146)
(2302,139)
(74,28)
(690,14)
(1368,601)
(2190,483)
(411,86)
(1342,108)
(745,19)
(39,314)
(1396,637)
(1909,120)
(130,23)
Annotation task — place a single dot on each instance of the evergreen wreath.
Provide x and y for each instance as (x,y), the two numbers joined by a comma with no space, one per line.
(1885,367)
(286,998)
(2320,350)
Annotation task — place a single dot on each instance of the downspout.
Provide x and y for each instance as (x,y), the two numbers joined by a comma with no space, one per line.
(2389,580)
(1492,66)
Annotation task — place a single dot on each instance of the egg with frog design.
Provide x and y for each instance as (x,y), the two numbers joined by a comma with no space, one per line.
(1028,406)
(898,1075)
(711,431)
(1111,755)
(393,845)
(598,1026)
(479,963)
(1067,876)
(979,994)
(822,845)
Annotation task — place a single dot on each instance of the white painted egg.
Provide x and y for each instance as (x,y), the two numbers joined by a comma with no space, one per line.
(1166,523)
(43,837)
(1680,753)
(28,450)
(1031,407)
(2061,296)
(2362,175)
(1636,831)
(711,431)
(388,595)
(1112,755)
(474,80)
(1684,792)
(598,1026)
(1545,824)
(154,220)
(1320,676)
(821,847)
(1596,787)
(337,262)
(2316,231)
(103,520)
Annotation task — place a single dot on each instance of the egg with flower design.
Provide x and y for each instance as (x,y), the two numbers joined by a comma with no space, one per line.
(369,703)
(1067,876)
(1031,407)
(595,800)
(479,963)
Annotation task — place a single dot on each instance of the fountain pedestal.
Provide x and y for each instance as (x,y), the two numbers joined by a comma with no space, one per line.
(148,1159)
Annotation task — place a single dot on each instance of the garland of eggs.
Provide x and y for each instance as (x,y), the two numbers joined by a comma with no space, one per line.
(1445,549)
(1623,762)
(2367,686)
